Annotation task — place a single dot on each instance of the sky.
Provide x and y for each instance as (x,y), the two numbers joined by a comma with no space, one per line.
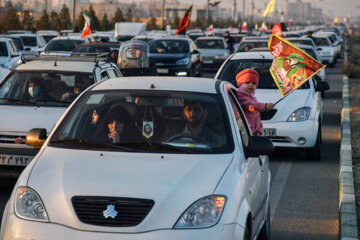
(338,8)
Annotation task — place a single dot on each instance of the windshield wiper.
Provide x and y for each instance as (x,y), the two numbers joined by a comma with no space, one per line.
(84,142)
(20,101)
(154,146)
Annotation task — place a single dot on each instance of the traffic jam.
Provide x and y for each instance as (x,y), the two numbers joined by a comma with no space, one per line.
(163,134)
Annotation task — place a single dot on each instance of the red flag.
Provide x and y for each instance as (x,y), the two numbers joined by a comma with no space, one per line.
(184,22)
(276,30)
(244,26)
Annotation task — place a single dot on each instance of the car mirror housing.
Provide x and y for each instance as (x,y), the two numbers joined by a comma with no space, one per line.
(322,86)
(259,145)
(195,52)
(36,137)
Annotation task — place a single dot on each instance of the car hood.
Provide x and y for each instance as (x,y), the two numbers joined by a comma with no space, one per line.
(172,181)
(168,58)
(212,52)
(20,119)
(297,99)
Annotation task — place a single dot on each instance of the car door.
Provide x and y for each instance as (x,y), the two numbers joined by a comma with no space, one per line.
(195,57)
(255,167)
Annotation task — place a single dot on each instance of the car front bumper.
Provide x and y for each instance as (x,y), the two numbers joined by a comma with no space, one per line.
(16,228)
(289,134)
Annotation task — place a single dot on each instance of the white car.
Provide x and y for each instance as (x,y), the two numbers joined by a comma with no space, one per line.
(295,121)
(32,42)
(325,49)
(213,51)
(63,46)
(84,184)
(9,53)
(20,112)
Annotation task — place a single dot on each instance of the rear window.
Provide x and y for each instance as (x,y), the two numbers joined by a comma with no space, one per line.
(262,66)
(321,41)
(168,46)
(246,46)
(210,44)
(63,45)
(29,41)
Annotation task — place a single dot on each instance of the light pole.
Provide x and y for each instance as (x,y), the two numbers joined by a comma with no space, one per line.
(162,14)
(74,8)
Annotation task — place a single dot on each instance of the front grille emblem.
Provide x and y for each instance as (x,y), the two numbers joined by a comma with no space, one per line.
(18,140)
(110,211)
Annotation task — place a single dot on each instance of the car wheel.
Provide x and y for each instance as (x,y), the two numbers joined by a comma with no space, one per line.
(314,153)
(265,230)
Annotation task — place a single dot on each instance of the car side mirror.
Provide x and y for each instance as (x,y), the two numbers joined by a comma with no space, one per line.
(36,137)
(259,145)
(322,86)
(317,77)
(195,51)
(27,49)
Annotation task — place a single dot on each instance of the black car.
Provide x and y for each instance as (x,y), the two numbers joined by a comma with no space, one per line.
(176,56)
(91,49)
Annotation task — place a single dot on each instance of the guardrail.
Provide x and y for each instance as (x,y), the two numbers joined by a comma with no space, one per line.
(347,206)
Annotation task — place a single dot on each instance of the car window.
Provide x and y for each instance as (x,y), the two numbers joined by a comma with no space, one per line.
(240,120)
(262,66)
(321,41)
(63,45)
(18,43)
(13,47)
(29,41)
(210,44)
(111,73)
(169,46)
(104,75)
(246,46)
(153,121)
(52,89)
(3,49)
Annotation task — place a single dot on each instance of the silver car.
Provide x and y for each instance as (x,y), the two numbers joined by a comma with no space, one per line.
(213,51)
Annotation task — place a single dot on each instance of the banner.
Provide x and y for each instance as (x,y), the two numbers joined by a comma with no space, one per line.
(291,66)
(269,8)
(87,30)
(184,22)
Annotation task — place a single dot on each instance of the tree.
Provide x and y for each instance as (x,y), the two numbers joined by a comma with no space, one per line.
(44,22)
(129,15)
(64,17)
(105,23)
(151,24)
(95,23)
(176,21)
(28,21)
(80,21)
(11,20)
(54,21)
(118,17)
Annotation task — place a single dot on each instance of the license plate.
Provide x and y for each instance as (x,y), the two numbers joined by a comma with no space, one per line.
(269,132)
(162,70)
(15,160)
(208,61)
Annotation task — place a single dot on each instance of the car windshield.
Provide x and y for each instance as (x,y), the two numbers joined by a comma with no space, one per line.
(18,43)
(246,46)
(43,88)
(67,45)
(321,41)
(3,49)
(48,37)
(96,49)
(210,44)
(311,52)
(146,121)
(29,41)
(262,66)
(301,42)
(168,46)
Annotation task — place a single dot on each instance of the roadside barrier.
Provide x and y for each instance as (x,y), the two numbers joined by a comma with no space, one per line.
(347,206)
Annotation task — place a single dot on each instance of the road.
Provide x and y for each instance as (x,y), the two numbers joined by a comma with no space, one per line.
(304,194)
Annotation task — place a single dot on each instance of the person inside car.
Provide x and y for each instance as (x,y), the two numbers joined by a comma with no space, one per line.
(36,90)
(79,86)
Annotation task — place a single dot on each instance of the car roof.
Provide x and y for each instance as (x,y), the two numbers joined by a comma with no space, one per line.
(188,84)
(69,66)
(209,38)
(252,55)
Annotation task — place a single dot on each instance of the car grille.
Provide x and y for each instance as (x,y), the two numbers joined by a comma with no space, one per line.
(278,139)
(10,139)
(130,211)
(268,115)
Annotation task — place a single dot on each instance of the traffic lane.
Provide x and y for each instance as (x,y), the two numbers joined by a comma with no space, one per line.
(304,193)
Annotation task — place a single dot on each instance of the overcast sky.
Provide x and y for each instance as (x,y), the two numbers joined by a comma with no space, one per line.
(333,7)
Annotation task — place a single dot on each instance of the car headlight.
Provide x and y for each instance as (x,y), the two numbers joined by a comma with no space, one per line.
(28,205)
(300,114)
(205,212)
(183,61)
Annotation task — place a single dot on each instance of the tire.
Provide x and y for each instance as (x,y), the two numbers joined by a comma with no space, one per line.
(314,153)
(265,230)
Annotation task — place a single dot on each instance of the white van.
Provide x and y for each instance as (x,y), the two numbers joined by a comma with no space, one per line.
(125,31)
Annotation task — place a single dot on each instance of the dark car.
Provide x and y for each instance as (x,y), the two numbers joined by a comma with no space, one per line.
(176,56)
(95,49)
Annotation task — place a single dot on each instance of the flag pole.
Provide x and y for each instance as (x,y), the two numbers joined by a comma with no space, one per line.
(278,101)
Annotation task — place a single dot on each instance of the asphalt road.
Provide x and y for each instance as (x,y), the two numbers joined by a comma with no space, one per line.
(304,193)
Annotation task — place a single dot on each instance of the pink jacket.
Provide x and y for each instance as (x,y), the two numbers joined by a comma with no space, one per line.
(251,108)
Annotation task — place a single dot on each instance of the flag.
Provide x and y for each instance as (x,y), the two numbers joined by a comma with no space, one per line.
(210,28)
(291,66)
(244,26)
(184,22)
(87,30)
(276,30)
(214,3)
(269,8)
(263,27)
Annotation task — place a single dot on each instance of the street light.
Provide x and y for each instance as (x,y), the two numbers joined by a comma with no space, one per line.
(74,8)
